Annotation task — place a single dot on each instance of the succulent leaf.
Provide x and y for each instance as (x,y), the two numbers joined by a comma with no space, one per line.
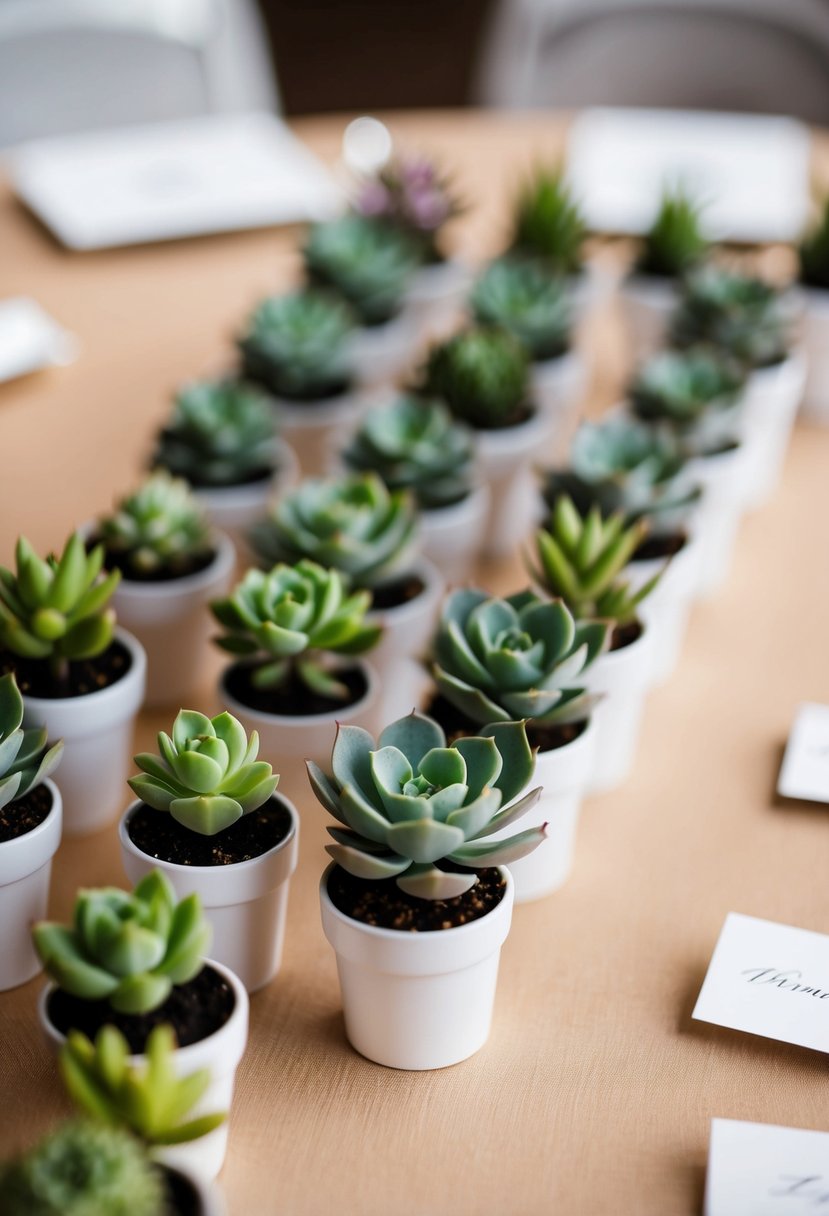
(548,222)
(297,345)
(161,528)
(742,316)
(482,375)
(521,296)
(369,264)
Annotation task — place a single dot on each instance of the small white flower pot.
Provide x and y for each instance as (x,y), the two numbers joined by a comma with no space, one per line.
(452,537)
(172,622)
(815,304)
(97,730)
(417,1000)
(770,403)
(316,428)
(25,869)
(726,481)
(220,1052)
(381,353)
(506,459)
(667,609)
(246,903)
(436,297)
(407,634)
(647,305)
(209,1197)
(623,677)
(233,509)
(558,386)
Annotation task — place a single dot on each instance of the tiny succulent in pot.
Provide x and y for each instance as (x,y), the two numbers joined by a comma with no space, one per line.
(694,393)
(522,297)
(548,223)
(482,374)
(674,243)
(410,193)
(813,252)
(370,265)
(502,660)
(159,529)
(740,314)
(25,756)
(297,345)
(129,948)
(417,811)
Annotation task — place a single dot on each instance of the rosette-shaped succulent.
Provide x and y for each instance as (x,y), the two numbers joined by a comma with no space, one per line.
(504,660)
(128,948)
(483,376)
(220,433)
(522,297)
(548,223)
(290,619)
(369,264)
(297,345)
(813,252)
(409,802)
(674,242)
(160,529)
(25,757)
(695,393)
(56,609)
(739,314)
(414,444)
(353,524)
(205,774)
(410,193)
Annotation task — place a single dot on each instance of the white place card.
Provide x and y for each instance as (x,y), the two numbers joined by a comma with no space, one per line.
(805,769)
(758,1169)
(30,339)
(768,979)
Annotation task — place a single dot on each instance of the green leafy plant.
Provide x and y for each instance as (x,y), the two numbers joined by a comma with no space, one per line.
(26,760)
(522,297)
(482,374)
(415,810)
(159,529)
(297,345)
(674,242)
(369,264)
(410,193)
(129,948)
(353,524)
(290,620)
(504,660)
(56,609)
(548,222)
(694,393)
(205,774)
(737,313)
(813,252)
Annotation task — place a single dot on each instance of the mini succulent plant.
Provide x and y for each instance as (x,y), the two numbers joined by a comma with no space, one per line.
(290,620)
(150,1100)
(505,660)
(25,757)
(205,774)
(482,374)
(129,948)
(522,297)
(420,812)
(548,223)
(297,345)
(220,433)
(737,313)
(160,529)
(813,252)
(369,264)
(55,609)
(410,193)
(83,1169)
(353,524)
(694,393)
(674,242)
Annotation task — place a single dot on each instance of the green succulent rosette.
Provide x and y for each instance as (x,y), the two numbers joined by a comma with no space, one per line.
(482,374)
(297,345)
(369,264)
(739,314)
(548,222)
(159,529)
(520,296)
(674,243)
(694,393)
(26,759)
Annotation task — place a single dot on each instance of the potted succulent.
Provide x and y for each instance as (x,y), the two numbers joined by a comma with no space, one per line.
(482,376)
(813,277)
(81,679)
(416,904)
(221,437)
(521,659)
(208,818)
(299,348)
(135,960)
(415,445)
(30,830)
(580,560)
(171,566)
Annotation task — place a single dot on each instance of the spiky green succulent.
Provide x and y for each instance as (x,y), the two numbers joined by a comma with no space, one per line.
(813,251)
(150,1099)
(205,774)
(160,529)
(290,621)
(694,393)
(674,242)
(25,757)
(353,524)
(83,1169)
(369,264)
(126,947)
(297,345)
(548,222)
(504,660)
(521,296)
(55,608)
(740,314)
(220,433)
(482,374)
(409,802)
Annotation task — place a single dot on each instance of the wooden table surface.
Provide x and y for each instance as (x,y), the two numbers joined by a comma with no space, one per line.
(595,1092)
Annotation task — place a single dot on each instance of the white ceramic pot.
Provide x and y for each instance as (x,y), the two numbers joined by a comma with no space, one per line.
(25,869)
(558,386)
(381,353)
(407,634)
(97,732)
(417,1000)
(452,537)
(623,677)
(506,460)
(647,304)
(172,622)
(233,509)
(436,297)
(208,1196)
(726,481)
(816,340)
(246,903)
(220,1052)
(316,428)
(770,404)
(667,609)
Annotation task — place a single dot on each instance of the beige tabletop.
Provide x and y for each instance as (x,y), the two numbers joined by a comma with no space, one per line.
(595,1092)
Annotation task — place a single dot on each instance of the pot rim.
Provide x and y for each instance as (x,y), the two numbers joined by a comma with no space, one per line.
(298,720)
(514,437)
(223,563)
(51,825)
(286,463)
(206,1191)
(136,672)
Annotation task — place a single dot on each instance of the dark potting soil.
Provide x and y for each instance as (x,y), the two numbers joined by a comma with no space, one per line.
(193,564)
(181,1199)
(653,548)
(521,413)
(625,635)
(24,814)
(401,591)
(385,906)
(195,1011)
(293,699)
(161,836)
(85,675)
(250,479)
(457,725)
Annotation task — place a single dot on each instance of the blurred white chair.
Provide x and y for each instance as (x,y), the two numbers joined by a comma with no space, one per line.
(746,55)
(81,65)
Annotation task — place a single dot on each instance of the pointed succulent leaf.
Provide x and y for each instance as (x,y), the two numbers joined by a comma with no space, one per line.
(431,883)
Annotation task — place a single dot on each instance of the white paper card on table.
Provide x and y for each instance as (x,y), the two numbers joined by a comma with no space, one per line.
(30,339)
(759,1169)
(215,173)
(768,979)
(804,772)
(750,172)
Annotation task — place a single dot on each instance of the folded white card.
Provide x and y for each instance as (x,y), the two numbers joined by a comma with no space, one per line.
(759,1169)
(805,769)
(30,339)
(768,979)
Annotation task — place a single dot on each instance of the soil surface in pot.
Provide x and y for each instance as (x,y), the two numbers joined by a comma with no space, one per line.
(293,699)
(34,679)
(182,1200)
(457,725)
(25,814)
(383,905)
(195,1011)
(191,564)
(159,835)
(521,414)
(668,544)
(395,594)
(204,483)
(625,635)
